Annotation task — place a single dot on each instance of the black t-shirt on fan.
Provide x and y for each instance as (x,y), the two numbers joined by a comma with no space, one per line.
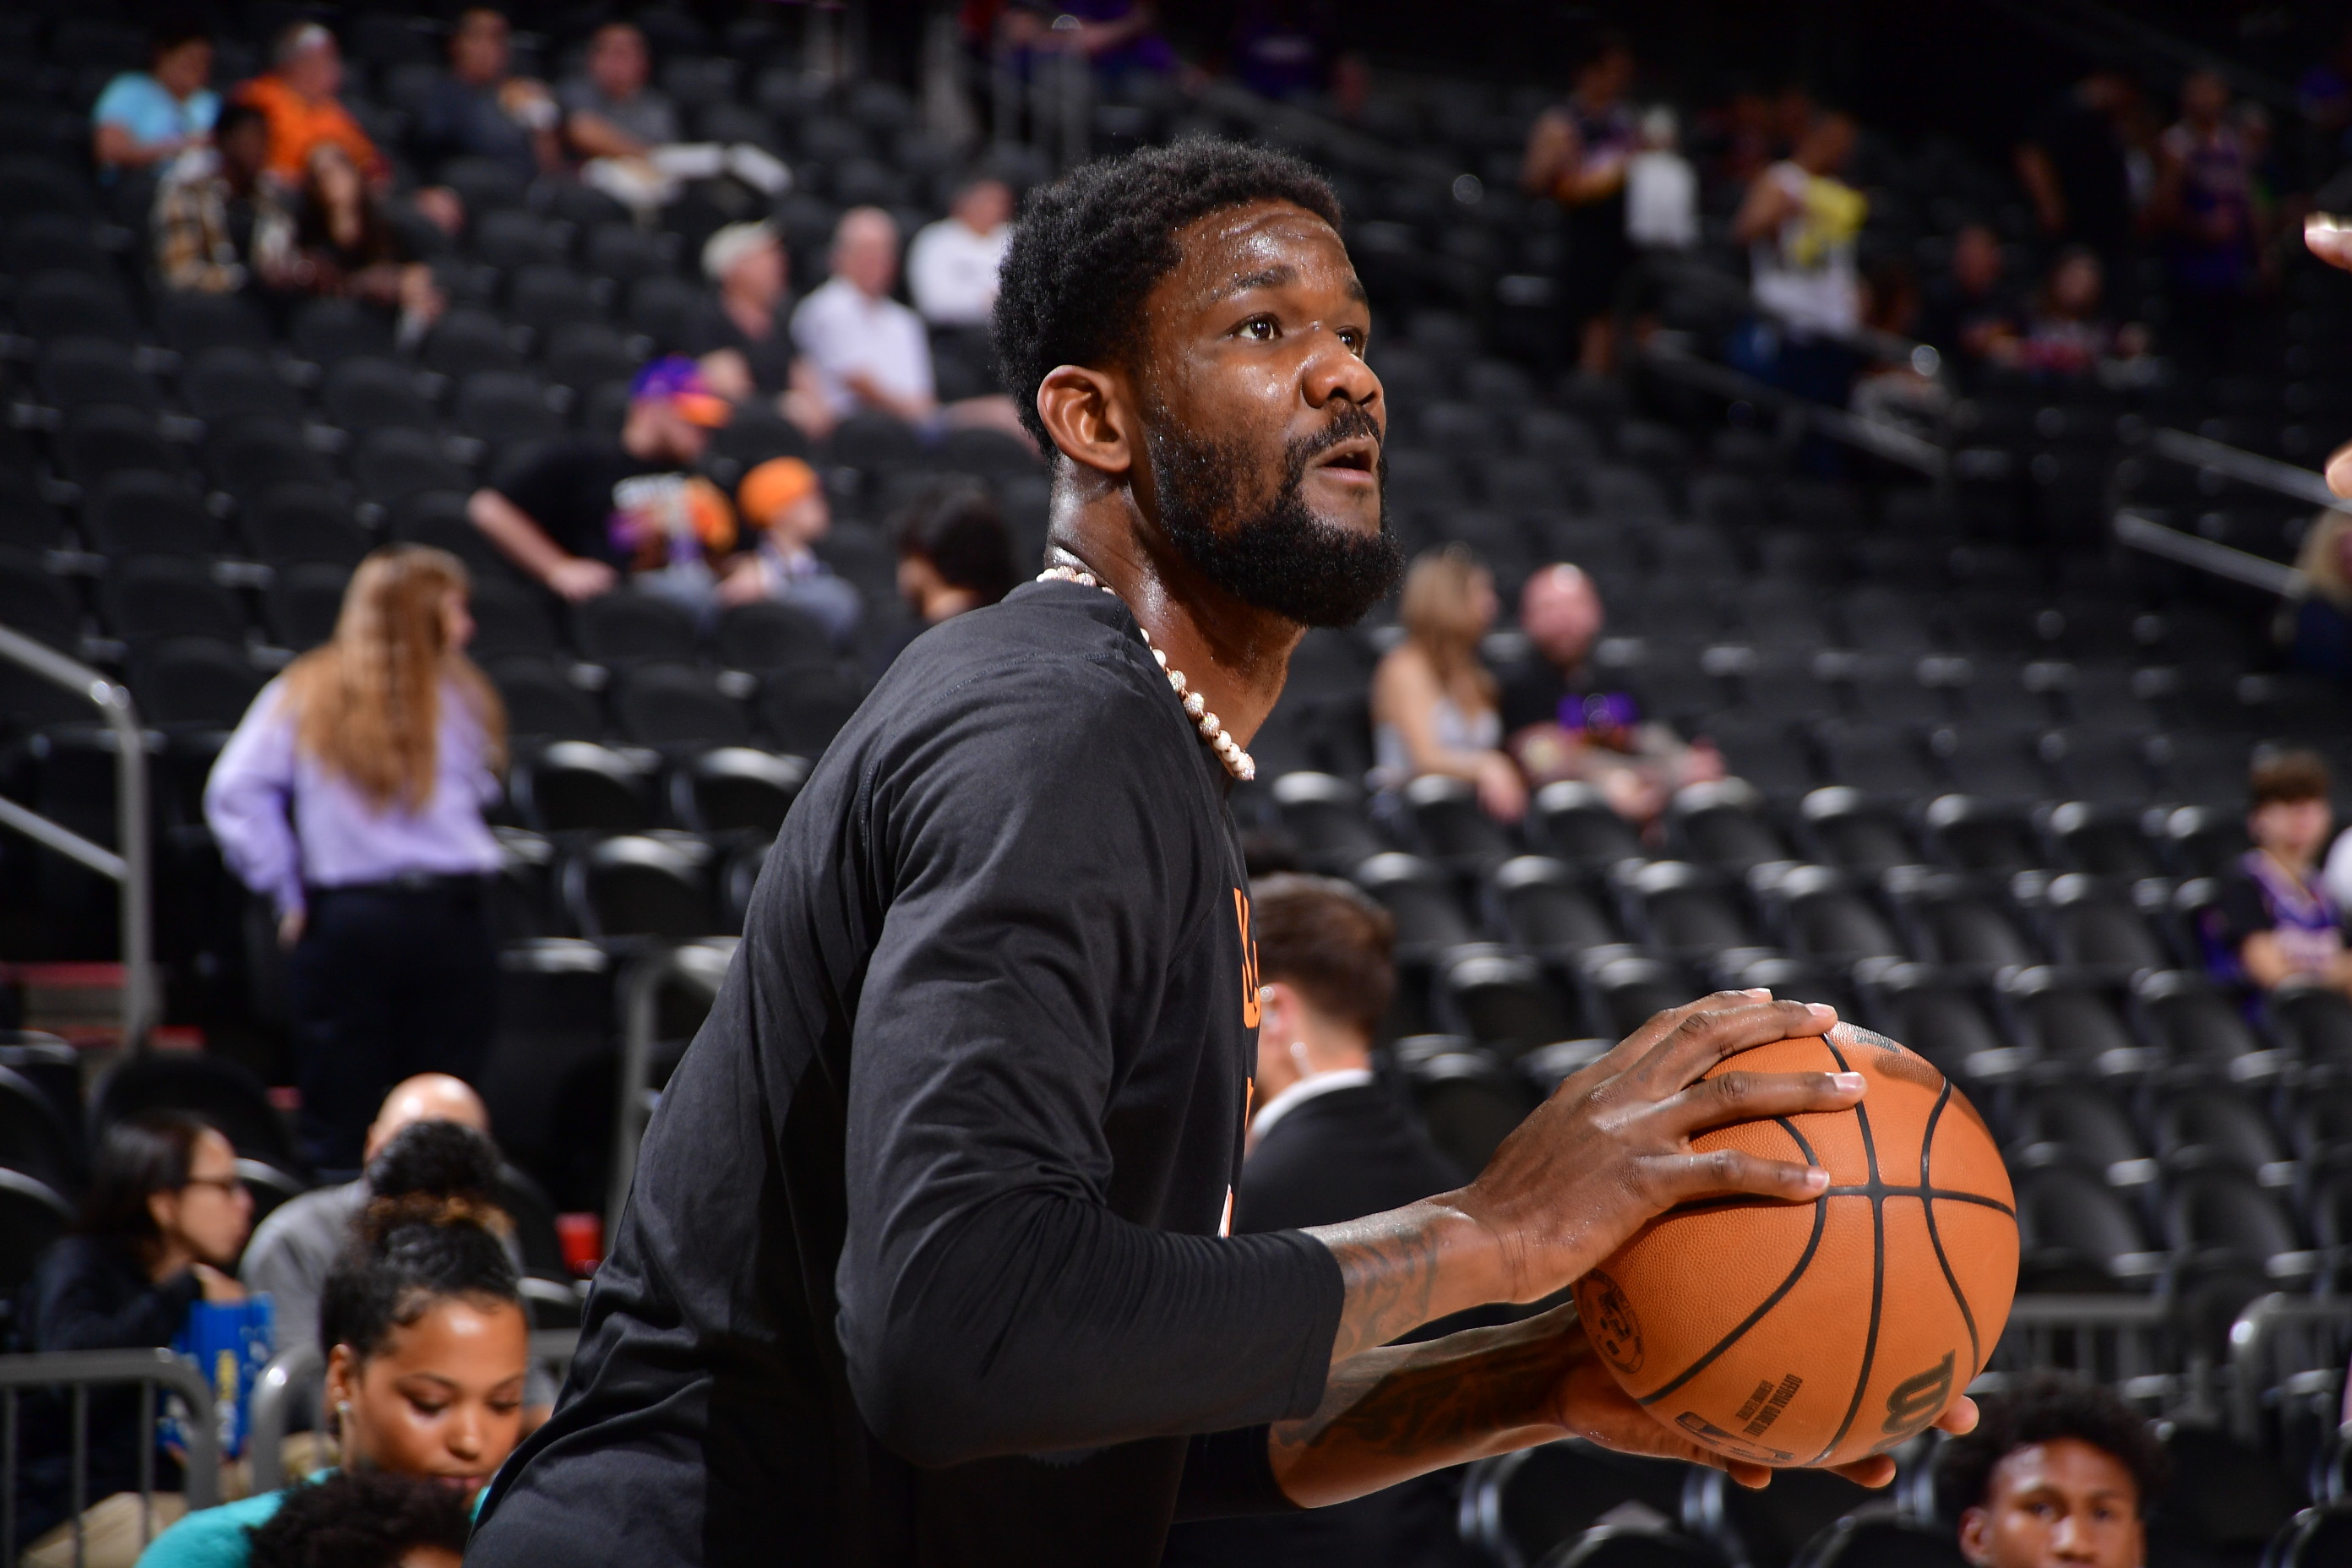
(572,489)
(922,1263)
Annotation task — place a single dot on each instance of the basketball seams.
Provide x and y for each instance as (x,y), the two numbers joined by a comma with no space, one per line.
(1804,1261)
(1878,1261)
(1934,1237)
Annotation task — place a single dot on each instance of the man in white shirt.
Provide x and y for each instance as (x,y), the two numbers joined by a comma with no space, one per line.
(865,351)
(868,350)
(952,267)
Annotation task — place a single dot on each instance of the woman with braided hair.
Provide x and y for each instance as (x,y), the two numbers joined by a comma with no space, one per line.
(352,796)
(428,1351)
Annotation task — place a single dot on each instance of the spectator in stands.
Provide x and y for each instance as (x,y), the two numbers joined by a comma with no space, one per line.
(300,94)
(293,1249)
(2205,205)
(430,1349)
(2075,163)
(1287,50)
(741,335)
(1801,221)
(784,509)
(1327,1143)
(1433,703)
(867,350)
(1970,315)
(352,797)
(611,111)
(482,110)
(151,117)
(365,1519)
(219,225)
(954,555)
(2068,335)
(1562,724)
(1661,221)
(952,265)
(1577,155)
(585,512)
(1119,37)
(2059,1473)
(2320,638)
(348,245)
(160,1228)
(2273,919)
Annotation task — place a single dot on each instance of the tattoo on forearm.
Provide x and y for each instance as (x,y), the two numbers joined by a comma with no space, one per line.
(1389,1268)
(1431,1402)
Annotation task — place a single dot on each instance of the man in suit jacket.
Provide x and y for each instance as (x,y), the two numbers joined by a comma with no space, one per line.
(1328,1142)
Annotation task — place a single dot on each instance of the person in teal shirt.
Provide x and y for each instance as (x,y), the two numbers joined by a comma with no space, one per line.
(151,117)
(425,1375)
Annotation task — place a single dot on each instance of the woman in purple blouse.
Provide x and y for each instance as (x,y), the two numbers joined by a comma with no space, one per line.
(352,797)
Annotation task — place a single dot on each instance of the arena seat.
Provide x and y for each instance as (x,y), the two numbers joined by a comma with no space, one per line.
(632,886)
(735,789)
(1519,1507)
(574,786)
(1548,908)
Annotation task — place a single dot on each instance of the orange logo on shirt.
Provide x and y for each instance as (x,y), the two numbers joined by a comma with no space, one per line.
(1249,959)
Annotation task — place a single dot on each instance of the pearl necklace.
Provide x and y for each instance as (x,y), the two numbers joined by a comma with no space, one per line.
(1236,761)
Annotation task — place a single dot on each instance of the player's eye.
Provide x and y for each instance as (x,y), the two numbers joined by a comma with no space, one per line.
(1261,329)
(1354,339)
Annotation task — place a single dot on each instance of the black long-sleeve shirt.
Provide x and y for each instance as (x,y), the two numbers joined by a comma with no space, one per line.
(922,1262)
(91,1293)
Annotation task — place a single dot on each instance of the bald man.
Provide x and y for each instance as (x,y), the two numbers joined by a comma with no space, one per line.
(293,1248)
(1561,725)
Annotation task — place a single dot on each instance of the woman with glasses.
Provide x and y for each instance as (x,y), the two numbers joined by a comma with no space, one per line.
(162,1227)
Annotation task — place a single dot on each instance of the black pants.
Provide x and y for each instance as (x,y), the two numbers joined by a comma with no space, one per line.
(387,983)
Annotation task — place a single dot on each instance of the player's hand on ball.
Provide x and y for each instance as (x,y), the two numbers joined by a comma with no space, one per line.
(1611,1148)
(1588,1403)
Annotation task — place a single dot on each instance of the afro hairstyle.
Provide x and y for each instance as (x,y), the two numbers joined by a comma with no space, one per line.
(361,1519)
(2043,1407)
(1090,246)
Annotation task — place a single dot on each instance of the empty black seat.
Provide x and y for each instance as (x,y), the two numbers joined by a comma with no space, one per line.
(1683,909)
(1324,819)
(736,789)
(194,681)
(247,456)
(1418,895)
(466,340)
(1956,919)
(2104,841)
(2193,1021)
(1452,825)
(194,323)
(544,298)
(1505,1003)
(574,786)
(1825,914)
(1575,822)
(508,238)
(394,464)
(503,407)
(1980,836)
(1942,1016)
(541,703)
(581,354)
(147,513)
(624,628)
(510,620)
(2212,1124)
(37,603)
(634,886)
(769,635)
(440,518)
(674,706)
(102,438)
(1877,759)
(2069,1018)
(1850,830)
(623,252)
(1547,909)
(2219,1217)
(33,1216)
(2081,1127)
(364,393)
(305,601)
(2075,1234)
(231,381)
(1470,1103)
(36,1139)
(2095,925)
(151,597)
(1624,991)
(327,332)
(662,307)
(801,707)
(298,522)
(875,444)
(2313,1020)
(73,370)
(73,304)
(1723,824)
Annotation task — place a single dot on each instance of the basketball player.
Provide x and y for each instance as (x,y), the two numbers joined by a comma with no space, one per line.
(2061,1475)
(927,1259)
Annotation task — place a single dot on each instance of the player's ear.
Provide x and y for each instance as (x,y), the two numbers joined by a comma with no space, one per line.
(1973,1544)
(1086,413)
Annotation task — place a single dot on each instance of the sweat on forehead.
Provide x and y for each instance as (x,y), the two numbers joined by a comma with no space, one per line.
(1090,247)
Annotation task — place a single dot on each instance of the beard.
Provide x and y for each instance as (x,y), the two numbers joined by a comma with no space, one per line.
(1279,557)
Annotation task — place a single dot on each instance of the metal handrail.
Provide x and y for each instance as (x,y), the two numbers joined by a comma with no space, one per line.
(702,965)
(79,1369)
(2206,555)
(2247,468)
(2257,1335)
(1866,434)
(132,869)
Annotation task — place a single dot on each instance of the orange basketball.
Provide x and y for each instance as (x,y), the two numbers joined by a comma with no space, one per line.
(1816,1334)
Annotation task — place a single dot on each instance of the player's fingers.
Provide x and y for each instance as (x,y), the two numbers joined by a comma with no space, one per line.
(1630,1051)
(1719,1172)
(1961,1418)
(1707,1034)
(2339,470)
(1736,1096)
(1874,1471)
(2329,238)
